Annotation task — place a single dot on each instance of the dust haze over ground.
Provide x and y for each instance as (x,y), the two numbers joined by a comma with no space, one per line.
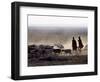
(63,36)
(59,29)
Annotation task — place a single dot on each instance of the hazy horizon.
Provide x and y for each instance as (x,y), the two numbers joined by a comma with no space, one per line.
(50,30)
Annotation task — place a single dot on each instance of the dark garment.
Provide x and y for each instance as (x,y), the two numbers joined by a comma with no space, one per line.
(80,44)
(74,45)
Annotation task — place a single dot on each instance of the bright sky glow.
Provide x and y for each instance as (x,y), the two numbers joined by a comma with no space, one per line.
(56,22)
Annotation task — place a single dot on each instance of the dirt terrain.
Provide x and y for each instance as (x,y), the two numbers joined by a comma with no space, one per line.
(46,55)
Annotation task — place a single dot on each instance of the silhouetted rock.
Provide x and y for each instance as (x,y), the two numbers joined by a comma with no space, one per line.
(39,51)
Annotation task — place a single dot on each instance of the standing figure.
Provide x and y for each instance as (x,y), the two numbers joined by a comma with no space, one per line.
(74,44)
(80,43)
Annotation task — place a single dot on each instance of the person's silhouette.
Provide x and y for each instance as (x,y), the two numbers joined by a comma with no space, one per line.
(74,44)
(80,43)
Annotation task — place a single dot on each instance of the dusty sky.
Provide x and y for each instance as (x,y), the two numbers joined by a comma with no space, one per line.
(56,29)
